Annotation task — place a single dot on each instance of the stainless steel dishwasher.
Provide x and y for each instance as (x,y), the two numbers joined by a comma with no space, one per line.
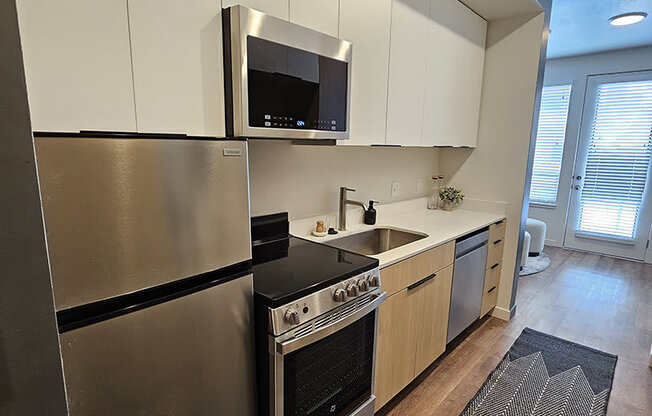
(468,282)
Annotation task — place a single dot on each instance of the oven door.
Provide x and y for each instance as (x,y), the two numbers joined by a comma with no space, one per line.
(329,370)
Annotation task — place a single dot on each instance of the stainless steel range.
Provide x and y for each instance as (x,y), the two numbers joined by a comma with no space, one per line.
(316,314)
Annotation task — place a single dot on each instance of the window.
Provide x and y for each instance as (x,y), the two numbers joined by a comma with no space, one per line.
(618,159)
(549,149)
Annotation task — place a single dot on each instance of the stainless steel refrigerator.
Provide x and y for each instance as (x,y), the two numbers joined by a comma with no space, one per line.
(149,245)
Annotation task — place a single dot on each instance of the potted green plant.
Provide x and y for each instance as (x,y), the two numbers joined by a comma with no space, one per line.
(451,197)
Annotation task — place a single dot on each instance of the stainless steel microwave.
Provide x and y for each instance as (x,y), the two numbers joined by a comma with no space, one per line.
(283,80)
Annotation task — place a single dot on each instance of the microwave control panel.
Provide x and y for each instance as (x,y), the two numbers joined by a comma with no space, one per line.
(288,122)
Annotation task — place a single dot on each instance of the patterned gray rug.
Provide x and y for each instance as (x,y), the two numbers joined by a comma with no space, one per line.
(544,375)
(535,265)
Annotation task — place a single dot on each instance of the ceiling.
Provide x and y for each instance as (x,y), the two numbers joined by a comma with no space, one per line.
(581,26)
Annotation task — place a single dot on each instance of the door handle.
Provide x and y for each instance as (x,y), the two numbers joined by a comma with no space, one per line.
(578,177)
(422,281)
(577,187)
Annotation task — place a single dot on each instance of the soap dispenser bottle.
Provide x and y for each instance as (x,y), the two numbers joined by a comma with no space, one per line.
(370,214)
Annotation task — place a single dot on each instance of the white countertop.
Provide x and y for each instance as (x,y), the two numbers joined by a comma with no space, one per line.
(440,226)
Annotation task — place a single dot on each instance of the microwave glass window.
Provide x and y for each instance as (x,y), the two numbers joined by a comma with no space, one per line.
(291,88)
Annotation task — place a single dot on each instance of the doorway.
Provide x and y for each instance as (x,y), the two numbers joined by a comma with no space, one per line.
(610,209)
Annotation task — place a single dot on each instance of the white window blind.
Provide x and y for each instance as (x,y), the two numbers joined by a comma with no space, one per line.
(549,147)
(617,160)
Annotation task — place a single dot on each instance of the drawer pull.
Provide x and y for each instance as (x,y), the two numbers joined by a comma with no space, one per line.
(495,265)
(491,290)
(498,241)
(422,281)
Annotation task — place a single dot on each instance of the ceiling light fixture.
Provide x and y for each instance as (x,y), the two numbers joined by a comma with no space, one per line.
(627,18)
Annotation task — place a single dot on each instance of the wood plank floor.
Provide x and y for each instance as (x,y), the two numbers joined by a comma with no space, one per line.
(598,301)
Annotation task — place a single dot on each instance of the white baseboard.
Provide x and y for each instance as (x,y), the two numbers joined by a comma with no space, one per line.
(553,243)
(504,314)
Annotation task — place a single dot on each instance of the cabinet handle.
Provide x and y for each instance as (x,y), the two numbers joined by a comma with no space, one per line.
(422,281)
(497,241)
(495,265)
(491,290)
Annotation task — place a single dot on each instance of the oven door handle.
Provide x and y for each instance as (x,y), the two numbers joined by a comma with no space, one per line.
(294,344)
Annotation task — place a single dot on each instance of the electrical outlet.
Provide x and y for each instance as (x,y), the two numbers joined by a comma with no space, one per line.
(419,185)
(396,189)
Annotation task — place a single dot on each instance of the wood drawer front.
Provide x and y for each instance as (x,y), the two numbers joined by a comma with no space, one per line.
(492,277)
(495,253)
(489,300)
(404,273)
(497,231)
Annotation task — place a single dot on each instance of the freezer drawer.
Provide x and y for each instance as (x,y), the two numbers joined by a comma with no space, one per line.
(189,356)
(468,285)
(125,214)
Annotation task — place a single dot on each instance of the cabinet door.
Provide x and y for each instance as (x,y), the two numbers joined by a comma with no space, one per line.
(320,15)
(77,64)
(407,71)
(177,60)
(397,340)
(370,67)
(433,319)
(277,8)
(456,48)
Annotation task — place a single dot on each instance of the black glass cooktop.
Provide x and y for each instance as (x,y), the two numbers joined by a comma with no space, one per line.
(291,268)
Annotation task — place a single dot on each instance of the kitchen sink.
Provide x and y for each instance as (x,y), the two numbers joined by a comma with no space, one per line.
(376,241)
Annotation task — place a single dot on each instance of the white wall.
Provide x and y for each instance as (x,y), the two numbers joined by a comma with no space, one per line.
(575,70)
(305,180)
(495,170)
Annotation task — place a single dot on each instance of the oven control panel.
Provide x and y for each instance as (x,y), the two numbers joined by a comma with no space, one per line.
(289,316)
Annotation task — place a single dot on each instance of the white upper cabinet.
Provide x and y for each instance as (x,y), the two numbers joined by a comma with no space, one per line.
(277,8)
(407,71)
(156,66)
(370,65)
(77,64)
(177,66)
(320,15)
(456,49)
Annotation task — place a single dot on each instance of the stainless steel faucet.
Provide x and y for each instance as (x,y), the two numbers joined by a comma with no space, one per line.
(343,203)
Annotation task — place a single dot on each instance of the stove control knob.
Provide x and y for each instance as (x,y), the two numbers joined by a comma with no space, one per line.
(352,290)
(292,316)
(373,280)
(363,285)
(339,295)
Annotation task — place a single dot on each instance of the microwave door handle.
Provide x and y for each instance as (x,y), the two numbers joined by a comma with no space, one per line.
(294,344)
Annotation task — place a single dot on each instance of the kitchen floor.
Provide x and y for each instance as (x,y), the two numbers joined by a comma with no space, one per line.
(595,300)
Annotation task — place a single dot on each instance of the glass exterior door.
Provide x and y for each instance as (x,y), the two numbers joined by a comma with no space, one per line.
(610,202)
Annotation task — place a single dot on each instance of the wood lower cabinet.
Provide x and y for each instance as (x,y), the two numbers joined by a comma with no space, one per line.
(413,321)
(397,336)
(433,319)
